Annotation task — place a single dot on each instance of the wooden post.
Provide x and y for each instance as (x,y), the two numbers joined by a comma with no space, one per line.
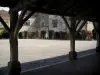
(72,53)
(13,64)
(72,30)
(67,26)
(15,25)
(98,43)
(97,27)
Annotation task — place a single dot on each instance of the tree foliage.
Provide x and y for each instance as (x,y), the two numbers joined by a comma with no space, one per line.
(3,33)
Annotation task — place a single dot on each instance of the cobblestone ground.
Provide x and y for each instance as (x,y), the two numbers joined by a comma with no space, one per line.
(34,49)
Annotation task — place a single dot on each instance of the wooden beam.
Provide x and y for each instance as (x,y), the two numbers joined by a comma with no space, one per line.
(25,19)
(95,27)
(18,7)
(82,13)
(28,16)
(21,16)
(69,4)
(73,8)
(72,53)
(77,24)
(20,21)
(84,22)
(86,18)
(50,11)
(66,22)
(4,24)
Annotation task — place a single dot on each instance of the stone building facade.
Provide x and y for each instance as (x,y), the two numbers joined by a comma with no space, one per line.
(44,26)
(50,26)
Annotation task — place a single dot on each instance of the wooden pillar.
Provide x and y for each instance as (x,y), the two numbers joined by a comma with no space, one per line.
(98,37)
(72,53)
(98,43)
(13,64)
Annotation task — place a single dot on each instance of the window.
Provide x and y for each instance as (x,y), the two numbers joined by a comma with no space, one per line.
(54,22)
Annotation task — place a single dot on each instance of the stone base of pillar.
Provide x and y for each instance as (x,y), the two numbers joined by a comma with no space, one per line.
(72,55)
(14,68)
(98,49)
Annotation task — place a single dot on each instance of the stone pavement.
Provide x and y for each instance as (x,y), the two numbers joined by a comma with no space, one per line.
(35,65)
(34,49)
(34,53)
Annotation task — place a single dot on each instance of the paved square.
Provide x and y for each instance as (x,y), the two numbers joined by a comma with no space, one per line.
(34,49)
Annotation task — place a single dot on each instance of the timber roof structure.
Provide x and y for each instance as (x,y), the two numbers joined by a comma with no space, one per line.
(80,9)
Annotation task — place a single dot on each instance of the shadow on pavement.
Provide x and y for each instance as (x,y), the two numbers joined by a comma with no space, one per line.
(35,64)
